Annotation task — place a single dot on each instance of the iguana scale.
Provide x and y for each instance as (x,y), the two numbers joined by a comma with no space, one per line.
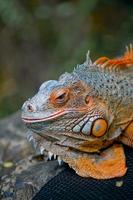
(85,116)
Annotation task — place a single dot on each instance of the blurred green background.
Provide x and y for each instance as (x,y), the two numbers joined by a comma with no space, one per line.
(40,39)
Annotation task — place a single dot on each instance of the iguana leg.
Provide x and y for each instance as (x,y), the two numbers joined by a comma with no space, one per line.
(127,136)
(108,164)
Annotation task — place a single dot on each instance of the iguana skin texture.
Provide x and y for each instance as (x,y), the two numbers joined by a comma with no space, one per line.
(85,115)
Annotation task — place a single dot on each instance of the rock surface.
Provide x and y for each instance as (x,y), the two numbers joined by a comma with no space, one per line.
(22,173)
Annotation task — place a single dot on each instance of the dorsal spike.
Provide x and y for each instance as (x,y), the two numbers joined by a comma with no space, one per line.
(129,52)
(121,63)
(88,59)
(101,60)
(88,63)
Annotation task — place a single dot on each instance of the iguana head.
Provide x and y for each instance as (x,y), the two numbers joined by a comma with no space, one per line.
(82,113)
(66,108)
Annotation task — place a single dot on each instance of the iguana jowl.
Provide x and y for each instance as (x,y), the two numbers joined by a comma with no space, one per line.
(85,115)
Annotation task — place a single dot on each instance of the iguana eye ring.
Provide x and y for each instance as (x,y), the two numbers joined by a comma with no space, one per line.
(60,96)
(99,127)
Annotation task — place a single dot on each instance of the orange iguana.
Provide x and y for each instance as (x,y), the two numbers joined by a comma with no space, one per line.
(85,116)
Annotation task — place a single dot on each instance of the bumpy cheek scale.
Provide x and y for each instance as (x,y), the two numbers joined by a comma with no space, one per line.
(91,126)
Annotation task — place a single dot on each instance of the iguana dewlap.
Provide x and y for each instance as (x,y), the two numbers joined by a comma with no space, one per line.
(85,115)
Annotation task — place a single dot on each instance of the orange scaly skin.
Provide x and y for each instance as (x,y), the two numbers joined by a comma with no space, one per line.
(84,115)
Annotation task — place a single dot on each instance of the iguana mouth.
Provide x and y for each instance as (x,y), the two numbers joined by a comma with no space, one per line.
(54,116)
(34,120)
(79,128)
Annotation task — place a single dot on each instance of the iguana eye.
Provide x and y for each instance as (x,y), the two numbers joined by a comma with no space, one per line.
(60,96)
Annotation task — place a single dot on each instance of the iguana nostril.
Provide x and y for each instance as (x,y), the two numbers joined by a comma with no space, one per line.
(31,108)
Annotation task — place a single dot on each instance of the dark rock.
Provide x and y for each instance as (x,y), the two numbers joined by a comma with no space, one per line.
(13,143)
(27,179)
(29,173)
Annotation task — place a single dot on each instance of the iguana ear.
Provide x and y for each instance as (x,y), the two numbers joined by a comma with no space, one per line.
(108,164)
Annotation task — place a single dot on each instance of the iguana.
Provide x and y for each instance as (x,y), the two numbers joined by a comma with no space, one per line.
(85,116)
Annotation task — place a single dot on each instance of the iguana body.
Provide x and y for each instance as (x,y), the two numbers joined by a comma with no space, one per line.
(85,115)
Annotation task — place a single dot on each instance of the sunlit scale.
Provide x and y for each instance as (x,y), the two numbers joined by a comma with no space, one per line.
(99,127)
(87,128)
(85,125)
